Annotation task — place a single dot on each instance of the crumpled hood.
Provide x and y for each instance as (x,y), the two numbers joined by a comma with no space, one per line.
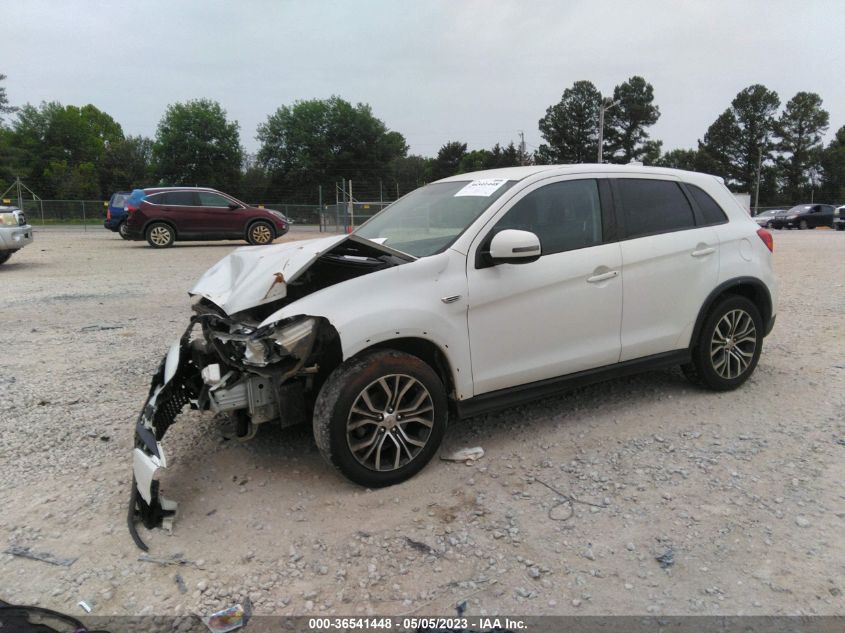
(255,275)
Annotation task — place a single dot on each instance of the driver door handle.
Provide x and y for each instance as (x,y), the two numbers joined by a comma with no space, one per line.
(602,277)
(701,252)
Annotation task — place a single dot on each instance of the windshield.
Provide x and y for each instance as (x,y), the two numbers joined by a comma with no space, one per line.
(428,220)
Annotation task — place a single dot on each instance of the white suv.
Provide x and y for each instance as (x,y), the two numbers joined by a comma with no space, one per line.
(475,292)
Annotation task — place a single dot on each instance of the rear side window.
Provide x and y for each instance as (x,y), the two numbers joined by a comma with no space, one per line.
(709,208)
(654,206)
(564,215)
(156,198)
(181,198)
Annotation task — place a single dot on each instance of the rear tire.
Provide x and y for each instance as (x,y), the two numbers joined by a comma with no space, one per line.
(123,230)
(728,346)
(160,235)
(260,233)
(380,417)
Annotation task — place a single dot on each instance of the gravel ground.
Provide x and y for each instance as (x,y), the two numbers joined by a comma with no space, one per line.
(739,494)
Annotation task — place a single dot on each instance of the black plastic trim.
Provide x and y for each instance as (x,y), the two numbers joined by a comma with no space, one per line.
(765,311)
(520,394)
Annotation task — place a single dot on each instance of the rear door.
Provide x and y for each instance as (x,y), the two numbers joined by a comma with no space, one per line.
(670,264)
(559,314)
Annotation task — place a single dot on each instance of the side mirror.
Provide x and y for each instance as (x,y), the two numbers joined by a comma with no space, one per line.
(233,206)
(514,247)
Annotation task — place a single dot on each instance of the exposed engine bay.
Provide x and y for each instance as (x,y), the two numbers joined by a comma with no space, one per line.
(246,370)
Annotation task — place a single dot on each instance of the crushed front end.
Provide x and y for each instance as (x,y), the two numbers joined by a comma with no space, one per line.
(248,375)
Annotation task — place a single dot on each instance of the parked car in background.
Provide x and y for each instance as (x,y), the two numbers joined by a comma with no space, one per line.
(804,216)
(116,213)
(765,218)
(164,215)
(15,233)
(839,218)
(476,292)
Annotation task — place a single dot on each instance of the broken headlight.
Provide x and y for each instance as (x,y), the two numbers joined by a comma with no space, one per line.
(274,342)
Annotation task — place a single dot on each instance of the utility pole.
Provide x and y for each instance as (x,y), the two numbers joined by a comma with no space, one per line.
(522,147)
(604,106)
(351,210)
(757,187)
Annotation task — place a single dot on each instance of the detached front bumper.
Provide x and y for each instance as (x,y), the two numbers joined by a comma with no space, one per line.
(176,383)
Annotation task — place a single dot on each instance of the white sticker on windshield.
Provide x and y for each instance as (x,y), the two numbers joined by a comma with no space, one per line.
(483,187)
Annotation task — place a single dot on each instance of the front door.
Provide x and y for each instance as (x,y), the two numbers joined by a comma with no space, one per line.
(558,314)
(224,220)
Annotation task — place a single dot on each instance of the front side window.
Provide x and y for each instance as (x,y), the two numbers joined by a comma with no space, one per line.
(564,215)
(430,219)
(654,206)
(209,199)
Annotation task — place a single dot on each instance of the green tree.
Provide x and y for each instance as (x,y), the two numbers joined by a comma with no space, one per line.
(801,128)
(570,127)
(448,160)
(126,165)
(740,136)
(196,144)
(626,137)
(5,108)
(407,173)
(319,141)
(53,134)
(679,159)
(833,169)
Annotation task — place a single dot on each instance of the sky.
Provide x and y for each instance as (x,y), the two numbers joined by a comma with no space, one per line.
(436,71)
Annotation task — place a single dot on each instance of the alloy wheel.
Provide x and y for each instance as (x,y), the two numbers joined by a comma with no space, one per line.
(261,234)
(733,344)
(390,422)
(160,235)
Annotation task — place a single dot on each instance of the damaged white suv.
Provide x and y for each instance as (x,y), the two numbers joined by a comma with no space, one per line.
(476,292)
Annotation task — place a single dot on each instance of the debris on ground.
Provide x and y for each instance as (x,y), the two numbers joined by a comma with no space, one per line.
(420,546)
(666,559)
(463,455)
(229,619)
(100,328)
(46,557)
(85,606)
(180,583)
(175,559)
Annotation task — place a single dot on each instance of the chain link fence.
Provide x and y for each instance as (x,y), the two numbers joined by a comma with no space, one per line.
(334,218)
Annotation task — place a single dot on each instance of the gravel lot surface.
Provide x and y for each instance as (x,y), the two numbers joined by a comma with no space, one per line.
(741,495)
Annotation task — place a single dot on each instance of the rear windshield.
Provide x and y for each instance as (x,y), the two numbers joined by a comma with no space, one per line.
(119,200)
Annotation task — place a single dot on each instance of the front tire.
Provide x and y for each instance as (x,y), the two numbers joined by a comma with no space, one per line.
(4,256)
(160,235)
(380,417)
(728,346)
(803,225)
(260,233)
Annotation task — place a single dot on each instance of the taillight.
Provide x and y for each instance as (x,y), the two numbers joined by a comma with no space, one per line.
(108,214)
(767,238)
(130,209)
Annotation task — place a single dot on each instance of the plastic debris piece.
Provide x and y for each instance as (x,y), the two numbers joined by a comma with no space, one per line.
(85,606)
(666,559)
(229,619)
(463,455)
(45,557)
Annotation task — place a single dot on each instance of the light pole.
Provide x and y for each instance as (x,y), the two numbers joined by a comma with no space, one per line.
(603,107)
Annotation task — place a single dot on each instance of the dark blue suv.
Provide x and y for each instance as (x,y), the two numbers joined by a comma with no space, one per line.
(116,213)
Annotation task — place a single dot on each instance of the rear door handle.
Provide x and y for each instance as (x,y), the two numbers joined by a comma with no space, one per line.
(602,277)
(701,252)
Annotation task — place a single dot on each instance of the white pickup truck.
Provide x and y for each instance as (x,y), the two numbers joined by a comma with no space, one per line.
(15,233)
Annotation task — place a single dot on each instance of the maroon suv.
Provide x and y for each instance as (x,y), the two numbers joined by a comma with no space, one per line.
(162,215)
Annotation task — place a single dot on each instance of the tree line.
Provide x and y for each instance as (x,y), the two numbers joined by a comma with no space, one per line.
(81,152)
